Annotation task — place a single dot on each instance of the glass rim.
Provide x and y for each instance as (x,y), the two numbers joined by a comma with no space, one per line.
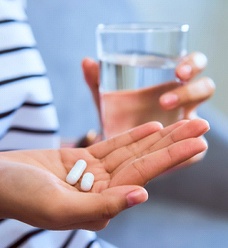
(142,27)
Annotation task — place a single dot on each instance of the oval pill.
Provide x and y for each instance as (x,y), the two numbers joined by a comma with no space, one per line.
(76,172)
(87,181)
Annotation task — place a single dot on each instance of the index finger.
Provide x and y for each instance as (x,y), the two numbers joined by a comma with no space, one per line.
(102,149)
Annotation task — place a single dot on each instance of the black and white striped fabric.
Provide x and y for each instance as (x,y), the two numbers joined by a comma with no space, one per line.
(28,120)
(27,113)
(15,234)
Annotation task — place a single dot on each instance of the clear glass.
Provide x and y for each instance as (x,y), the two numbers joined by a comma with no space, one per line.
(133,56)
(136,62)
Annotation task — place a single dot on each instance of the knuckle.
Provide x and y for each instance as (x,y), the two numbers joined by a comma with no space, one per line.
(110,210)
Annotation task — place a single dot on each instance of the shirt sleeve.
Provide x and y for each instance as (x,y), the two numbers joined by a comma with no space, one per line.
(28,118)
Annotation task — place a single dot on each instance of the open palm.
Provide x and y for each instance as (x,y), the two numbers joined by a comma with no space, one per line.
(121,165)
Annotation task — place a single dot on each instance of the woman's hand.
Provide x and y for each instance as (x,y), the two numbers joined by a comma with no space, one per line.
(192,92)
(33,187)
(189,95)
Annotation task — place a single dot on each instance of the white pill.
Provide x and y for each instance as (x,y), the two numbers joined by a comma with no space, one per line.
(76,172)
(87,181)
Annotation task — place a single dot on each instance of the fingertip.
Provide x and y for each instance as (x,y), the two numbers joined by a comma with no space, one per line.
(200,60)
(91,72)
(191,65)
(209,84)
(204,140)
(117,199)
(201,125)
(155,125)
(184,72)
(205,123)
(87,62)
(136,197)
(203,145)
(169,100)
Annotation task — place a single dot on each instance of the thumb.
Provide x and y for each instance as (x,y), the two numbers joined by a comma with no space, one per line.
(92,211)
(91,74)
(125,197)
(105,205)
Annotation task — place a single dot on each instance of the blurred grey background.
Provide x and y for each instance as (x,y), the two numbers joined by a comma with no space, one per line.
(187,208)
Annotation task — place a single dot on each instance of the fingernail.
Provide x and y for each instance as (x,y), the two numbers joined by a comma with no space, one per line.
(136,197)
(185,71)
(169,100)
(200,60)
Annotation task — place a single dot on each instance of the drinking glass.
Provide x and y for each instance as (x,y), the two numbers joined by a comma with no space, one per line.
(137,65)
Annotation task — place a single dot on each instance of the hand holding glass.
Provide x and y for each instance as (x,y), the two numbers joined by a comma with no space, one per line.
(137,65)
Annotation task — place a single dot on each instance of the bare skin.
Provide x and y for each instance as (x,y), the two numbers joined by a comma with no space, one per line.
(33,187)
(188,96)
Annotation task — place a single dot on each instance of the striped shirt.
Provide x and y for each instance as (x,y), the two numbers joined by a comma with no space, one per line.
(27,113)
(28,120)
